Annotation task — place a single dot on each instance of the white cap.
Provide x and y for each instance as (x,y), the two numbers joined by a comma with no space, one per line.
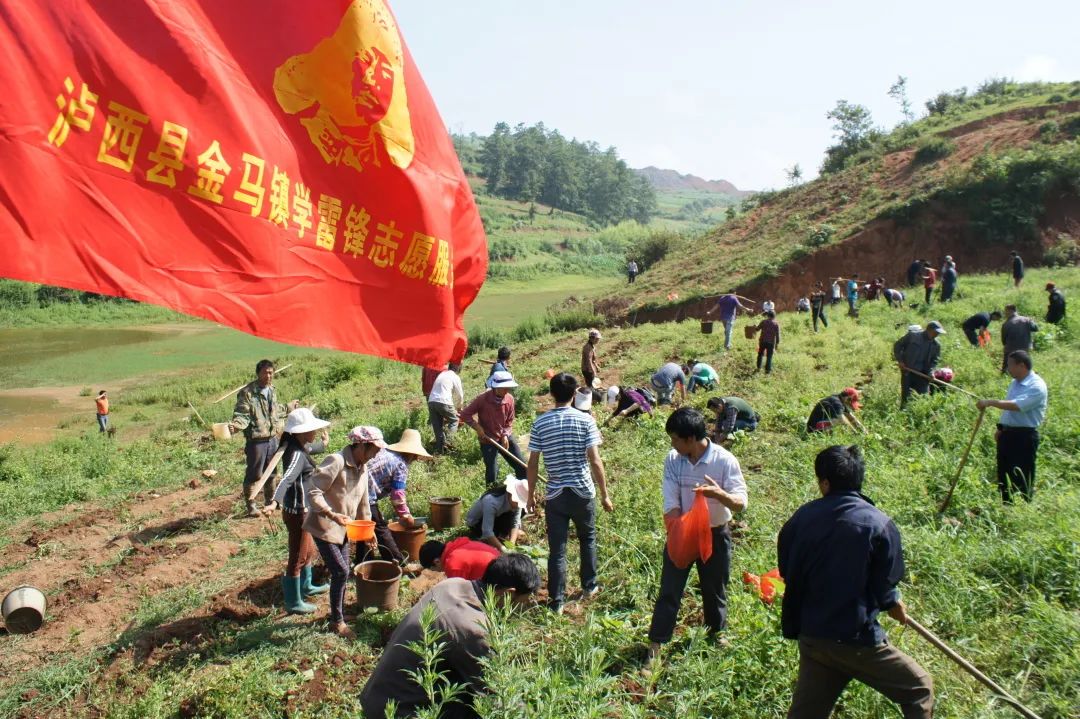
(612,396)
(502,379)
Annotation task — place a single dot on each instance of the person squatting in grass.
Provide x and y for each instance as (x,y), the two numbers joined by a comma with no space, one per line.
(569,441)
(261,418)
(917,350)
(338,494)
(701,376)
(732,414)
(976,324)
(496,516)
(292,496)
(491,415)
(388,474)
(626,402)
(1017,433)
(459,614)
(835,410)
(894,297)
(463,557)
(841,560)
(695,464)
(664,381)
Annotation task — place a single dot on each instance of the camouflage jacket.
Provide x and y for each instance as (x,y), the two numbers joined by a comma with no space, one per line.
(258,417)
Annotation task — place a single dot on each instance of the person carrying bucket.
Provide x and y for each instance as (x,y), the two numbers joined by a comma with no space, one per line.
(728,305)
(292,496)
(388,473)
(339,494)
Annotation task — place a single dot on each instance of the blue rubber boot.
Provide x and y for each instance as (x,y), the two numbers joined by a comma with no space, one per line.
(307,589)
(293,603)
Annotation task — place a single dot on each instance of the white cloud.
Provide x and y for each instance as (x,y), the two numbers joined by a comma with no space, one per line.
(1038,68)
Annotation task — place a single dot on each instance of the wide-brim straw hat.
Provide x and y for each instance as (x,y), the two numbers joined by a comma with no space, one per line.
(302,420)
(409,444)
(518,491)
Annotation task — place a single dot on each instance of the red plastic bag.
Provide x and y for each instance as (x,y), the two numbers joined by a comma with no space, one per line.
(689,537)
(767,586)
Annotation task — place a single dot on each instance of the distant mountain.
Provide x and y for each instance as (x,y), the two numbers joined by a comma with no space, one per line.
(672,180)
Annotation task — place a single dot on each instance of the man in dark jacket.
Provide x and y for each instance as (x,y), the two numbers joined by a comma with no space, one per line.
(1017,268)
(974,325)
(1016,333)
(841,561)
(914,271)
(917,350)
(1055,311)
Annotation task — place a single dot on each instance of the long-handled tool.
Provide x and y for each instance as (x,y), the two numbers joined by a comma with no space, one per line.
(938,382)
(230,393)
(963,461)
(970,669)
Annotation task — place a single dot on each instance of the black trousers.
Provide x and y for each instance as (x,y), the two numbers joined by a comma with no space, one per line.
(912,383)
(929,294)
(766,349)
(1016,450)
(819,314)
(972,336)
(712,576)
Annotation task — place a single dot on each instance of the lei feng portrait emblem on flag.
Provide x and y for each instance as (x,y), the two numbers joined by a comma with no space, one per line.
(349,91)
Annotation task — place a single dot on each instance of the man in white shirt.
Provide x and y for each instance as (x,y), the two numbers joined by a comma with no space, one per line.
(447,396)
(695,464)
(1018,430)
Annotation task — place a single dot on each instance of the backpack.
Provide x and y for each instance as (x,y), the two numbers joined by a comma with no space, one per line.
(647,394)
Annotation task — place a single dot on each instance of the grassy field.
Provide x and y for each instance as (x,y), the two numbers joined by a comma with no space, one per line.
(1002,584)
(505,304)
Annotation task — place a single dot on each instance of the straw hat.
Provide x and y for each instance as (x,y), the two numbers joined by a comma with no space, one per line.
(517,490)
(409,444)
(303,420)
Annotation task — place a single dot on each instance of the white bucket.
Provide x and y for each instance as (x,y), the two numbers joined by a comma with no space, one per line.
(24,610)
(222,431)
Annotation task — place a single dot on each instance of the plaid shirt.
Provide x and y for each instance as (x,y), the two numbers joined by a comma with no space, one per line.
(387,475)
(681,476)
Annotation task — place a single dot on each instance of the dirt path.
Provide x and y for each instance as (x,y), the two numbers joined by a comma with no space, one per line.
(97,567)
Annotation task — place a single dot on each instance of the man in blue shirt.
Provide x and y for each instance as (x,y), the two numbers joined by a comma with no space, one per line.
(696,465)
(569,441)
(1018,430)
(841,560)
(729,307)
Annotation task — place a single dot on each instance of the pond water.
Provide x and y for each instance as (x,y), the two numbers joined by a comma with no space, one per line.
(27,345)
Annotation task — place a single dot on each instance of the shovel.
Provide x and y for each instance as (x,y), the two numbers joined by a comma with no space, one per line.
(970,668)
(963,461)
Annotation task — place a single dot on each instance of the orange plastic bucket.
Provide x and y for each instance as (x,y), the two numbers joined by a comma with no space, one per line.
(360,530)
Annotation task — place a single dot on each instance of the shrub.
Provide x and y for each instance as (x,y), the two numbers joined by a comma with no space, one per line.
(1056,97)
(486,338)
(573,318)
(653,248)
(16,294)
(1071,126)
(1048,131)
(820,235)
(934,148)
(1065,252)
(944,101)
(530,329)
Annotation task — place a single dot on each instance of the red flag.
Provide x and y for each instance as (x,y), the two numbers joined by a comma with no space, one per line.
(275,166)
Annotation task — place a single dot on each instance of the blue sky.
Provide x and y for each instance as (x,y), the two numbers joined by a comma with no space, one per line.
(724,90)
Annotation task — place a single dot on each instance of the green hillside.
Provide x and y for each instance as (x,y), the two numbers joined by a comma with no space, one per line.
(190,623)
(982,174)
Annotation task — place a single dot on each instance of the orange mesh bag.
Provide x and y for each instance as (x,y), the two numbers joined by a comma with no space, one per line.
(689,537)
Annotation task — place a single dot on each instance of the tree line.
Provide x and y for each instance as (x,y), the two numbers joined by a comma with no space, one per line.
(534,164)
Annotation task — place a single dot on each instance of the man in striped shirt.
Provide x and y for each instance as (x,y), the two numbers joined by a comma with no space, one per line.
(569,442)
(695,464)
